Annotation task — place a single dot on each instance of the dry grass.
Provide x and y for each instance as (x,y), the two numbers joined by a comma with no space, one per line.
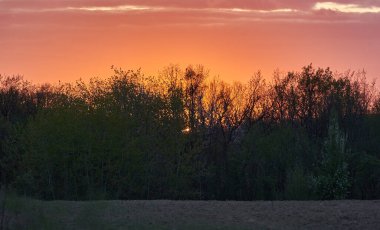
(164,214)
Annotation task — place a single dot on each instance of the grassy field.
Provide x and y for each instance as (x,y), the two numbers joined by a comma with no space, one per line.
(164,214)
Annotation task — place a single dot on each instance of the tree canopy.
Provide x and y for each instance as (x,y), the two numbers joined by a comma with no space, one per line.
(312,134)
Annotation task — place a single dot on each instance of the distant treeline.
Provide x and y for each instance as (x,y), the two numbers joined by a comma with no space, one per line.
(312,134)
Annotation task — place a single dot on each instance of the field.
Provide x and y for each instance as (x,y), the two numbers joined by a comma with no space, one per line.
(164,214)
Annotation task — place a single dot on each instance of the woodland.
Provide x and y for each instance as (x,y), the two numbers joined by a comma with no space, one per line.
(312,134)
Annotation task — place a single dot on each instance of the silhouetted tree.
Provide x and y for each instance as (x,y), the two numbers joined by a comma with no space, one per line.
(311,134)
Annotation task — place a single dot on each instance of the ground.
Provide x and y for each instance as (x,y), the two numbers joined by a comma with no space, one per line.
(166,214)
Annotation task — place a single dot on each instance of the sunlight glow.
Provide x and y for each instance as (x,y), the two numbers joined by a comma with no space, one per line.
(346,8)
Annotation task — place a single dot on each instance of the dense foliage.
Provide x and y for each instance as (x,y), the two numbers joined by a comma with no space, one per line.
(307,135)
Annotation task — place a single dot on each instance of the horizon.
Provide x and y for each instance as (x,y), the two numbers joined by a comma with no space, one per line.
(52,41)
(209,77)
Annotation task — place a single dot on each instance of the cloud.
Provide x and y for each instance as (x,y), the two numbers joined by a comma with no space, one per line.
(243,10)
(117,9)
(346,8)
(210,12)
(127,8)
(109,9)
(121,8)
(149,8)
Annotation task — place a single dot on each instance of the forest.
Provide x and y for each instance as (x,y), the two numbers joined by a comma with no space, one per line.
(311,134)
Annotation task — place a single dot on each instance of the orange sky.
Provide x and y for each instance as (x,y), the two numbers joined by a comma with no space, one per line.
(52,40)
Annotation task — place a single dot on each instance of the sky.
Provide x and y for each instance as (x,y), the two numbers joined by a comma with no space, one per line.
(64,40)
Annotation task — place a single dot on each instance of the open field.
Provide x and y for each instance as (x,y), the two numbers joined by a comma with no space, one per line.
(165,214)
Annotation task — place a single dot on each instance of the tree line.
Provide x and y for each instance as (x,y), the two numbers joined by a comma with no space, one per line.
(312,134)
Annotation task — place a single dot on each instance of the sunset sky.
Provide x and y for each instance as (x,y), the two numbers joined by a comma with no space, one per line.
(52,40)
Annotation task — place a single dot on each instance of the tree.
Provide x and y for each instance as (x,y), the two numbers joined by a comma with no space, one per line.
(376,105)
(182,136)
(333,181)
